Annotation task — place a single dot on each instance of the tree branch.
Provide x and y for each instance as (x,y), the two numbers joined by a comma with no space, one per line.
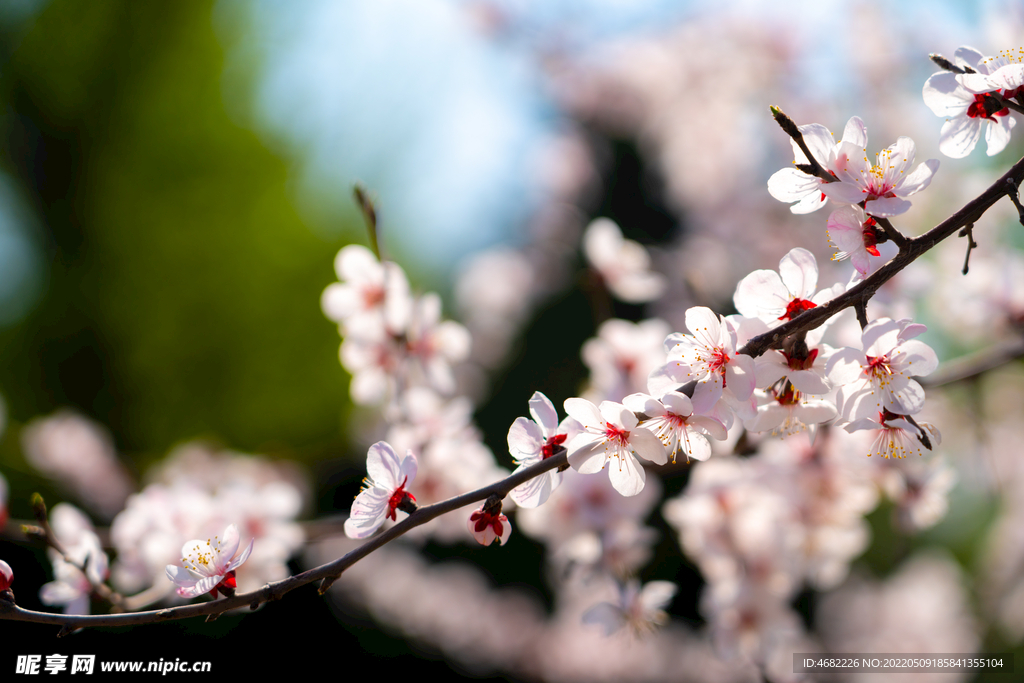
(812,167)
(864,290)
(276,590)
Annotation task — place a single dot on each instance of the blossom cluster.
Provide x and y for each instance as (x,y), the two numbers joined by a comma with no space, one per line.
(786,452)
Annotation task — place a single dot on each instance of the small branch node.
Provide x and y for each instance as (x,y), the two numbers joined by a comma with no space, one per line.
(944,63)
(891,232)
(326,584)
(65,630)
(1014,194)
(812,167)
(861,307)
(971,244)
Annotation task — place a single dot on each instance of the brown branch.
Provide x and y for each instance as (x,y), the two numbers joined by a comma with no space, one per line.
(812,167)
(891,232)
(970,367)
(276,590)
(864,290)
(968,232)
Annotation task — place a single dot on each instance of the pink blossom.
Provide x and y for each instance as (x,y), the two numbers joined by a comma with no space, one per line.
(854,235)
(532,441)
(898,435)
(6,576)
(879,376)
(489,526)
(967,111)
(1005,72)
(612,433)
(793,185)
(208,565)
(884,186)
(777,297)
(642,610)
(71,586)
(623,264)
(370,293)
(786,411)
(671,419)
(707,356)
(384,491)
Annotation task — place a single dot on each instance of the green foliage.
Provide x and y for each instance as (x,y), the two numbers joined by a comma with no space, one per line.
(184,290)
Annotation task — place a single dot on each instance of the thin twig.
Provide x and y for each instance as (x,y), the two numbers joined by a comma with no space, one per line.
(1005,102)
(812,167)
(975,365)
(864,290)
(45,531)
(968,232)
(277,589)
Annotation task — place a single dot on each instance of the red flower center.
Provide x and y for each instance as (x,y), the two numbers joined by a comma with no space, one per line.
(877,365)
(227,582)
(979,108)
(869,233)
(613,433)
(796,307)
(789,397)
(397,497)
(801,364)
(481,520)
(548,449)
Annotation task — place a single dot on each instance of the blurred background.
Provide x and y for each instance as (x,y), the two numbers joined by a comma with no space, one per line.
(175,181)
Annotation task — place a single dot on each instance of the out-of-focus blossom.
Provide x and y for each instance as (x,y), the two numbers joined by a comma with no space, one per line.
(434,344)
(749,622)
(585,505)
(369,294)
(495,293)
(623,264)
(885,185)
(532,441)
(793,185)
(642,610)
(80,455)
(196,493)
(920,491)
(384,492)
(621,357)
(968,111)
(611,433)
(3,501)
(923,607)
(71,587)
(6,576)
(209,565)
(489,526)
